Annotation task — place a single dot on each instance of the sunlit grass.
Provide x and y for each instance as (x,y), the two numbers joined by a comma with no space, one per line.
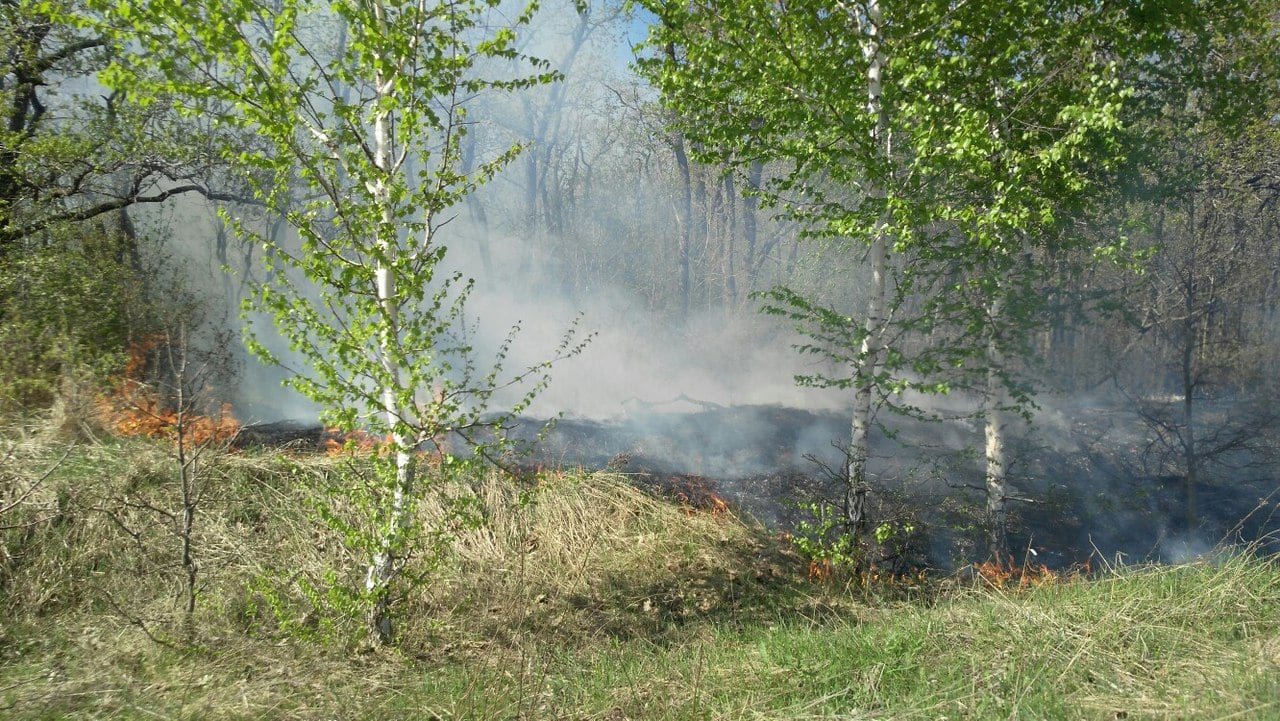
(582,598)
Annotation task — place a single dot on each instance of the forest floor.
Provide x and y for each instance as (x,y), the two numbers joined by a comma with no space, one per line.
(581,597)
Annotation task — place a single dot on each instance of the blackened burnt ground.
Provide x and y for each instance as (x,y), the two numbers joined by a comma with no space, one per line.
(1087,479)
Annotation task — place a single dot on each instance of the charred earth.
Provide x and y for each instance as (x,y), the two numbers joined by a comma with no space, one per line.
(1088,480)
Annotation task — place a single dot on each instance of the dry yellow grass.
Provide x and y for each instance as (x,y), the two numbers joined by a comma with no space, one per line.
(581,597)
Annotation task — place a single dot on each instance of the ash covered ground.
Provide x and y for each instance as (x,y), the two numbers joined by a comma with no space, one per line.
(1089,480)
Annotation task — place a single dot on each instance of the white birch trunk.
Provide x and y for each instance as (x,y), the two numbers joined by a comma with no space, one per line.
(380,578)
(996,431)
(859,442)
(872,343)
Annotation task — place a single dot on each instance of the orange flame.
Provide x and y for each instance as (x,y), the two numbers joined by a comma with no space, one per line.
(718,504)
(142,416)
(1009,575)
(819,570)
(334,442)
(337,443)
(133,408)
(695,496)
(823,570)
(702,501)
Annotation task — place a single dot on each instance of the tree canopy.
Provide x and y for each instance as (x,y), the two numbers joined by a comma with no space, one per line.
(964,138)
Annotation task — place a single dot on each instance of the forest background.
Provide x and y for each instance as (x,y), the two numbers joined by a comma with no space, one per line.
(628,181)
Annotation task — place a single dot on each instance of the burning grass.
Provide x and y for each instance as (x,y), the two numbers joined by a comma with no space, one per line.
(1011,574)
(581,597)
(335,443)
(139,413)
(132,406)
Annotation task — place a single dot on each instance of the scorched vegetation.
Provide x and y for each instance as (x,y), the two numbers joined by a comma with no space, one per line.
(580,597)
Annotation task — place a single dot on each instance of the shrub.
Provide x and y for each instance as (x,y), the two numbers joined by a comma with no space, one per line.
(67,309)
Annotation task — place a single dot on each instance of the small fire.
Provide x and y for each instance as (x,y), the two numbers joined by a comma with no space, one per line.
(134,408)
(823,570)
(702,501)
(695,494)
(819,570)
(878,577)
(718,504)
(337,443)
(1009,575)
(138,414)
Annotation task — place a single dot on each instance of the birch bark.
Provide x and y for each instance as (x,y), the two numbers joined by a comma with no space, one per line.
(872,342)
(379,580)
(996,427)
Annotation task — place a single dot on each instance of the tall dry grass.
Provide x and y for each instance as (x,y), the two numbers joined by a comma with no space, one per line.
(580,597)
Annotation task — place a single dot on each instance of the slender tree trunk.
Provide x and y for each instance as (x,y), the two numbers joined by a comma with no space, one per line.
(381,576)
(686,222)
(749,228)
(186,479)
(1191,329)
(996,425)
(865,383)
(731,230)
(531,174)
(476,207)
(871,348)
(701,261)
(23,113)
(544,207)
(1190,454)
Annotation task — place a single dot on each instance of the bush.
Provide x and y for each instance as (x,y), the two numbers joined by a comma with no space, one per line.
(67,309)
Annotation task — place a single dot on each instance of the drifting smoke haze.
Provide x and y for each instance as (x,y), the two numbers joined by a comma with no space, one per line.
(711,392)
(638,361)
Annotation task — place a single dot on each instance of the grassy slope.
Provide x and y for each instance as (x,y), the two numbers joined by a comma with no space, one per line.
(593,601)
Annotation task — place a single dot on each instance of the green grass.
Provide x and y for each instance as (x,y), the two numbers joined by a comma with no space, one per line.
(593,601)
(1188,642)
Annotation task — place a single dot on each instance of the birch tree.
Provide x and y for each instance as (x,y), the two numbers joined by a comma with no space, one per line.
(735,79)
(362,106)
(947,144)
(854,100)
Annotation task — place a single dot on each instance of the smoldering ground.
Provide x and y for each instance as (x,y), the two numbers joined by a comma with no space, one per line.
(709,394)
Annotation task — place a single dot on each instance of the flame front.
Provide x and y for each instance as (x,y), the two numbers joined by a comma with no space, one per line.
(1004,575)
(135,408)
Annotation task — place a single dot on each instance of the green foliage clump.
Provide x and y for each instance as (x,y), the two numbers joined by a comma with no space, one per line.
(830,544)
(66,309)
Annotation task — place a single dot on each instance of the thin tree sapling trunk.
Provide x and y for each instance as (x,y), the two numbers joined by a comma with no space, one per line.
(865,373)
(996,429)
